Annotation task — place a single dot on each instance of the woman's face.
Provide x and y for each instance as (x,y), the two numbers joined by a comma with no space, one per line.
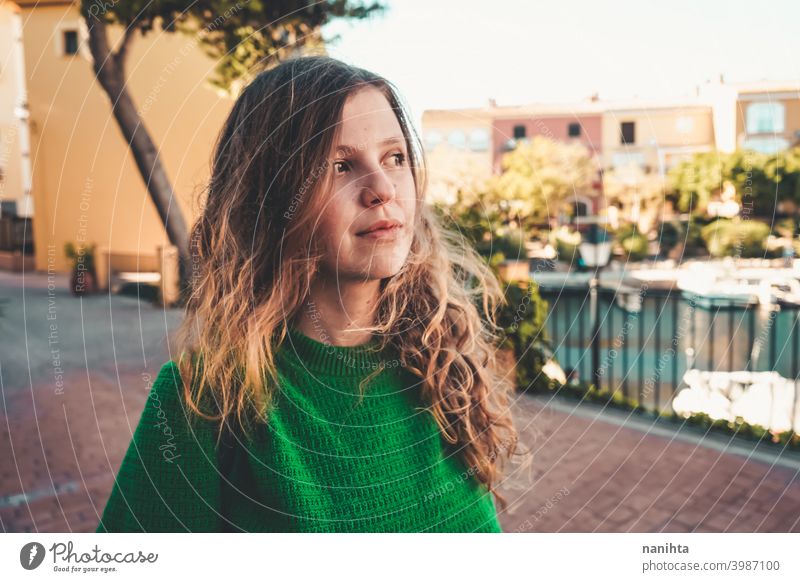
(371,182)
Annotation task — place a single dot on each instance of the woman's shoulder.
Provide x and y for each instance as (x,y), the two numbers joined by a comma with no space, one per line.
(166,481)
(169,372)
(174,372)
(169,386)
(168,381)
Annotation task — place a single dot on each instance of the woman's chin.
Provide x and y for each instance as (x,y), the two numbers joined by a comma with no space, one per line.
(381,271)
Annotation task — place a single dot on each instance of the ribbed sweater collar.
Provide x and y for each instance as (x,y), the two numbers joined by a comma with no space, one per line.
(329,360)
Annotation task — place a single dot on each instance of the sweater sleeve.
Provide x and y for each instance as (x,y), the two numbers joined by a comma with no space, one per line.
(168,480)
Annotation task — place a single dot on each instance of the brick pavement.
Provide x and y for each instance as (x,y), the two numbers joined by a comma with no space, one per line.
(71,444)
(585,476)
(595,476)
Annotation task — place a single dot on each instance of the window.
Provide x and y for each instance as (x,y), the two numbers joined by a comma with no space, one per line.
(70,39)
(479,140)
(765,118)
(519,132)
(457,139)
(580,209)
(8,207)
(70,42)
(574,130)
(627,130)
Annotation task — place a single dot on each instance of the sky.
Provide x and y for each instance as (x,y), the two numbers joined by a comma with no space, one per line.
(447,53)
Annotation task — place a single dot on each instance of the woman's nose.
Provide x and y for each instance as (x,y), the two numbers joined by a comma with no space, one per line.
(378,188)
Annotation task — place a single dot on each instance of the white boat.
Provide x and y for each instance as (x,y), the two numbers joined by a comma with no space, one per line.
(711,291)
(779,290)
(730,282)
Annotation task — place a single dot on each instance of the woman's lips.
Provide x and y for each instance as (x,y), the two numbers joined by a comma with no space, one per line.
(382,233)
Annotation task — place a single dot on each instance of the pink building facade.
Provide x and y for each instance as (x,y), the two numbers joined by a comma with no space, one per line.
(580,128)
(584,129)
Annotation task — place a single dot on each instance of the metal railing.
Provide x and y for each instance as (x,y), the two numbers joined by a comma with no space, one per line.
(644,354)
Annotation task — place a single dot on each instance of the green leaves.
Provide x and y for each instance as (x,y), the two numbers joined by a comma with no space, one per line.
(240,35)
(696,180)
(82,255)
(761,180)
(540,176)
(745,238)
(523,319)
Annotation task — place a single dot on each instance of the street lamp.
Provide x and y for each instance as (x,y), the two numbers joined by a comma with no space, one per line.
(595,251)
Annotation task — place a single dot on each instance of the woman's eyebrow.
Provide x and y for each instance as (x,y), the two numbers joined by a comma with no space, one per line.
(346,149)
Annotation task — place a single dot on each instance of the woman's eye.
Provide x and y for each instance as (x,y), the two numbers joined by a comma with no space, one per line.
(341,166)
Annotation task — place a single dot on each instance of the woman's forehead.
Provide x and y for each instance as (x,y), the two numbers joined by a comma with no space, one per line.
(368,120)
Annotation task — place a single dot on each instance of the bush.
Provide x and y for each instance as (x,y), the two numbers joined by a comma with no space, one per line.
(471,221)
(635,247)
(633,242)
(688,232)
(523,319)
(738,427)
(669,235)
(565,242)
(743,238)
(693,236)
(785,227)
(511,246)
(80,256)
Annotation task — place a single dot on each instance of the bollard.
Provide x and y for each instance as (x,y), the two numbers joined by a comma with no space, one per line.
(168,268)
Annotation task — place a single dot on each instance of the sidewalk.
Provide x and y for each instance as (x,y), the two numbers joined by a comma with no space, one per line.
(598,470)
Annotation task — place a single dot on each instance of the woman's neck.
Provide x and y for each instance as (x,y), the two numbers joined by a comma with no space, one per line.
(334,312)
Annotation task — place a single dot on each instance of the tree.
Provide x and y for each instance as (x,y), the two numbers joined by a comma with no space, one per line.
(639,195)
(696,180)
(782,170)
(762,181)
(756,191)
(539,177)
(239,35)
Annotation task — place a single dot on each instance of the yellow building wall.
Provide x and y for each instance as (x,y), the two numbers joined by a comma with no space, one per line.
(656,129)
(451,168)
(791,119)
(11,186)
(85,181)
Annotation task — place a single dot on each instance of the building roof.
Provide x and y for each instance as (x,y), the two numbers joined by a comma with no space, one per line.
(680,103)
(766,87)
(581,108)
(594,106)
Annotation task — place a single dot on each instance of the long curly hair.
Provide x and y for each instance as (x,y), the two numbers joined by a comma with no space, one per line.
(254,262)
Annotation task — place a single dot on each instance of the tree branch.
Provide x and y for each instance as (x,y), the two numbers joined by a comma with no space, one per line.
(98,43)
(122,51)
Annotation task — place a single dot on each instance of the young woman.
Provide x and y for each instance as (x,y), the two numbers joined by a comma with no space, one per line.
(345,338)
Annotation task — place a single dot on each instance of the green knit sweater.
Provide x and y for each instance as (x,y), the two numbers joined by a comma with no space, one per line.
(325,462)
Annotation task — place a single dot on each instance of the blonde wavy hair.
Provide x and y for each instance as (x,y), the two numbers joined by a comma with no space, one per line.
(254,260)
